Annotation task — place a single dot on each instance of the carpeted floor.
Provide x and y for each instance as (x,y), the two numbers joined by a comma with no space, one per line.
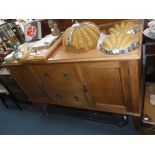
(30,122)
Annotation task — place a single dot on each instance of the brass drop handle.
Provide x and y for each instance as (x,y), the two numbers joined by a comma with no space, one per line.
(76,98)
(66,77)
(85,90)
(46,75)
(59,96)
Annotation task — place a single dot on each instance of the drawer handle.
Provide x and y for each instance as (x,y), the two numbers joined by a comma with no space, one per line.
(46,75)
(76,98)
(58,96)
(66,77)
(85,90)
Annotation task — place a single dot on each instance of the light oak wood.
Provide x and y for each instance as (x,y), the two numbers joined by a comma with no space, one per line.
(125,80)
(63,84)
(58,73)
(42,58)
(25,77)
(103,82)
(135,79)
(63,56)
(105,86)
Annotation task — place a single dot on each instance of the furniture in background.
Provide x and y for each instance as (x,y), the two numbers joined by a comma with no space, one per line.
(14,90)
(148,116)
(11,37)
(3,93)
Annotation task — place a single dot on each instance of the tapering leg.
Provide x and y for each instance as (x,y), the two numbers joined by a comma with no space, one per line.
(3,101)
(137,122)
(15,101)
(41,107)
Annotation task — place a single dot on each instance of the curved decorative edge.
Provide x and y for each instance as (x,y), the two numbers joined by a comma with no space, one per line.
(102,37)
(135,30)
(77,25)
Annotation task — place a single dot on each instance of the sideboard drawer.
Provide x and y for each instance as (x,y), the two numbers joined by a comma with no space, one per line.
(58,73)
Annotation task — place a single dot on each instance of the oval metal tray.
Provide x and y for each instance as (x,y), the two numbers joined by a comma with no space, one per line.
(132,47)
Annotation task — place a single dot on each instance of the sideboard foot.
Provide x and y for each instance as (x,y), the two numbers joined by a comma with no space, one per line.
(137,123)
(42,108)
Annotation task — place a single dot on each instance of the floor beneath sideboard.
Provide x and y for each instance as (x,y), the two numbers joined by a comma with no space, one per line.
(29,121)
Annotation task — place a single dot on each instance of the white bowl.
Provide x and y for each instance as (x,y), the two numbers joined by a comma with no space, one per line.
(152,29)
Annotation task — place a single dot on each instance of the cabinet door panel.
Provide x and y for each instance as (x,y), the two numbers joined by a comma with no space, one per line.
(104,85)
(103,81)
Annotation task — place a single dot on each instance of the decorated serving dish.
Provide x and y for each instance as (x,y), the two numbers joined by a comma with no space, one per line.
(81,36)
(120,38)
(122,43)
(125,26)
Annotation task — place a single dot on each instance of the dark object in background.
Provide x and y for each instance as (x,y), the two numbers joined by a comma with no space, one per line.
(3,95)
(148,113)
(36,30)
(3,53)
(11,37)
(9,33)
(18,32)
(104,117)
(150,61)
(13,88)
(55,31)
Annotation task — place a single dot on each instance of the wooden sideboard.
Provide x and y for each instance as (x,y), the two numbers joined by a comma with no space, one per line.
(90,80)
(111,86)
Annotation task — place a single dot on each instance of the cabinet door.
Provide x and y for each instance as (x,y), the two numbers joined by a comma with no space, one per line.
(63,84)
(26,78)
(103,82)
